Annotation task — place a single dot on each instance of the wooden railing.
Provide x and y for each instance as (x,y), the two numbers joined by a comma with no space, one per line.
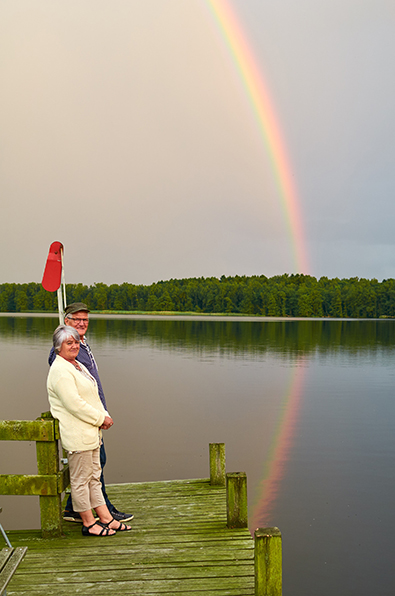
(50,481)
(267,541)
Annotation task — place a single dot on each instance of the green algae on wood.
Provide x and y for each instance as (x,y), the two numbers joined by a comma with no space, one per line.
(25,484)
(27,430)
(50,505)
(236,500)
(179,544)
(50,482)
(268,562)
(217,464)
(10,559)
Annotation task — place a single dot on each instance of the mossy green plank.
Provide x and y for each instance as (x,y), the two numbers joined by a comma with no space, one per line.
(27,430)
(25,484)
(209,587)
(5,554)
(74,539)
(179,570)
(117,585)
(151,560)
(173,486)
(14,557)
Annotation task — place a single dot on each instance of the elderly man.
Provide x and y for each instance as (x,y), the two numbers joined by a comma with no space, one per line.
(76,315)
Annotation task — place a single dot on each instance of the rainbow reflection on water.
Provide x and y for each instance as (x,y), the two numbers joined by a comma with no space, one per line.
(281,445)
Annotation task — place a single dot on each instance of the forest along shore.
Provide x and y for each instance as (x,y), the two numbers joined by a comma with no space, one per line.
(280,296)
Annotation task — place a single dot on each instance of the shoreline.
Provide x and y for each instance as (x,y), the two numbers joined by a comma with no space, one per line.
(157,316)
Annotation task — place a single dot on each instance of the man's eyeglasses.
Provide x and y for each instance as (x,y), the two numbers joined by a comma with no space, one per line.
(78,320)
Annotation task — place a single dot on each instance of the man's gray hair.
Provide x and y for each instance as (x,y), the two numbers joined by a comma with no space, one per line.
(61,334)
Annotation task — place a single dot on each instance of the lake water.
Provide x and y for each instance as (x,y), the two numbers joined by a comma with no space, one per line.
(305,408)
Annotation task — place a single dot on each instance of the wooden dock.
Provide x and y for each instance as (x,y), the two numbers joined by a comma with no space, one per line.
(179,545)
(188,536)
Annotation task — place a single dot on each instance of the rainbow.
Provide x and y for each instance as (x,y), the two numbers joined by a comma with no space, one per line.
(256,89)
(279,452)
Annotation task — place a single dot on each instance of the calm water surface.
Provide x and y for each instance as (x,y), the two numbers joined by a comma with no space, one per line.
(306,408)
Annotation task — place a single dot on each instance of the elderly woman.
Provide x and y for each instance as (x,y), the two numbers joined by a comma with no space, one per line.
(75,402)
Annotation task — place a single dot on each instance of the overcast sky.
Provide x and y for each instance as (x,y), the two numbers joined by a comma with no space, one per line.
(127,135)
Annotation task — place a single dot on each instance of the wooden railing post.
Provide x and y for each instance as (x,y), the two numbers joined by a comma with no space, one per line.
(236,500)
(268,562)
(50,482)
(217,464)
(48,464)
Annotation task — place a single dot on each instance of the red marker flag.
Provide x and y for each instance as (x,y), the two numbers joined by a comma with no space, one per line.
(53,268)
(53,276)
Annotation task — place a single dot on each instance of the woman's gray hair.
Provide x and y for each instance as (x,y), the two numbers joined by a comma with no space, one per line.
(62,333)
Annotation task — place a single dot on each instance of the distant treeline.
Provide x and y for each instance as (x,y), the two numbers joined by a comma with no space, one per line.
(283,295)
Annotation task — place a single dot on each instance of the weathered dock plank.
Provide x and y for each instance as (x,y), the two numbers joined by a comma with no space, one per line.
(179,545)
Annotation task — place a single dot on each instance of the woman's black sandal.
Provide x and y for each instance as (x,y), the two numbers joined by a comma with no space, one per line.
(105,530)
(122,527)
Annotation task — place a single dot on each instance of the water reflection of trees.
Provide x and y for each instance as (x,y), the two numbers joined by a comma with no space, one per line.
(28,327)
(257,337)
